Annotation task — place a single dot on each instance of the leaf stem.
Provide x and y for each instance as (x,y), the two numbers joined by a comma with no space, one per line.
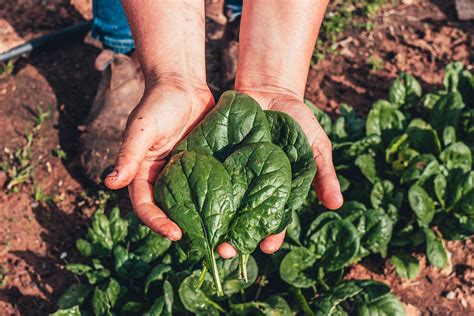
(202,277)
(216,306)
(302,302)
(243,259)
(215,273)
(257,295)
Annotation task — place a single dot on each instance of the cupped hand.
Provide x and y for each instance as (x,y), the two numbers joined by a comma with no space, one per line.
(325,183)
(165,114)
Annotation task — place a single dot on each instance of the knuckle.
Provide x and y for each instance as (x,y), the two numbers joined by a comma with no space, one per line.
(125,153)
(321,148)
(326,144)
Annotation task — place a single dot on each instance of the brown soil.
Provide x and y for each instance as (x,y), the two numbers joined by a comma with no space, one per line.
(37,238)
(432,292)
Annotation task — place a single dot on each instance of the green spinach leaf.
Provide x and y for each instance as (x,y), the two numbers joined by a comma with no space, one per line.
(436,251)
(74,295)
(236,120)
(297,268)
(407,266)
(335,244)
(261,181)
(289,136)
(196,192)
(198,301)
(404,91)
(422,204)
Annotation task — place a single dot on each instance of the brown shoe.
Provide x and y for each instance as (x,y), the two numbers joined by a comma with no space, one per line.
(120,90)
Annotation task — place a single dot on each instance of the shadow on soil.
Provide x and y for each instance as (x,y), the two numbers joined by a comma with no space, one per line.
(25,304)
(45,274)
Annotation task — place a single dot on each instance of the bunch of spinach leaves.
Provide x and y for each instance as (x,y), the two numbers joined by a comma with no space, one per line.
(236,177)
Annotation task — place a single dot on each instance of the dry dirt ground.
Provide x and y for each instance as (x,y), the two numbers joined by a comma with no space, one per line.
(37,234)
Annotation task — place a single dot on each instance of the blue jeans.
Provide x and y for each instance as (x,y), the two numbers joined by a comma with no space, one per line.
(110,24)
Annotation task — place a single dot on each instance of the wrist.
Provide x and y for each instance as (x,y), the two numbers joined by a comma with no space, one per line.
(264,85)
(177,79)
(271,83)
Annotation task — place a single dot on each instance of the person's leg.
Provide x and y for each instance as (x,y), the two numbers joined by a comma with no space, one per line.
(233,11)
(119,91)
(110,26)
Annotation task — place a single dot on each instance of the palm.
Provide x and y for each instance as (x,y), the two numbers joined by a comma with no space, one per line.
(325,183)
(163,117)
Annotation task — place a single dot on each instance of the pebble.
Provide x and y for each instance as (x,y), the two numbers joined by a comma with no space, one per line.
(451,295)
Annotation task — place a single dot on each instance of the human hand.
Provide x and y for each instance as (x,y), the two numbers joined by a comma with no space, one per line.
(325,183)
(167,112)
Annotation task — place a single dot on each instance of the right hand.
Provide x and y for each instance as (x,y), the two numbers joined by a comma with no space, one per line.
(166,113)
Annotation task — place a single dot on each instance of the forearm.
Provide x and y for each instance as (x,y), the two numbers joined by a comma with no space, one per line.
(276,44)
(169,38)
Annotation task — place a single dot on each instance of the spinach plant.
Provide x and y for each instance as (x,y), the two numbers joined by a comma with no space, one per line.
(409,169)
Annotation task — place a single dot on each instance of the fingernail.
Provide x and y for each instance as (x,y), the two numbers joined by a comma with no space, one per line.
(174,235)
(112,176)
(272,249)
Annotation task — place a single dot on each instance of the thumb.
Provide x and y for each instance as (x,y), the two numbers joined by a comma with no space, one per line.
(138,138)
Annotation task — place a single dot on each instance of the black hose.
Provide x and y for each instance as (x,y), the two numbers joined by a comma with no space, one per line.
(51,39)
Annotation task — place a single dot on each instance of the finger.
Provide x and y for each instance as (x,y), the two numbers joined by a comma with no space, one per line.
(141,195)
(139,137)
(326,183)
(272,243)
(226,250)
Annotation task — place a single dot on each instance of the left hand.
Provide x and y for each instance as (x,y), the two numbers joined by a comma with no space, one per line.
(325,183)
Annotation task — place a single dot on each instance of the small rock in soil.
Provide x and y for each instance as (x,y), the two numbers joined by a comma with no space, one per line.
(451,295)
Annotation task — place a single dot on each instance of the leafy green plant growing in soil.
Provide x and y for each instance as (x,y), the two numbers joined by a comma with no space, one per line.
(406,173)
(411,161)
(375,62)
(6,69)
(132,271)
(18,165)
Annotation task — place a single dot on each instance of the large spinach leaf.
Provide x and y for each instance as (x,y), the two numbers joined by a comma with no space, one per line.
(384,119)
(199,301)
(297,268)
(289,136)
(335,244)
(236,120)
(261,181)
(196,192)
